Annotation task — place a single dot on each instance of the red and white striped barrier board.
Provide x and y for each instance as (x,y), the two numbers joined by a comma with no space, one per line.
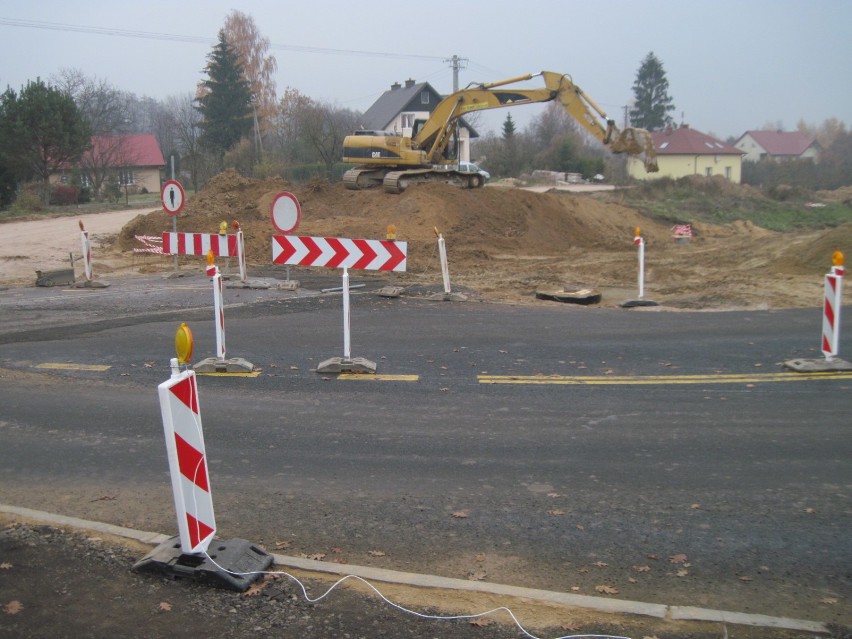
(334,252)
(831,312)
(150,244)
(187,461)
(200,243)
(682,230)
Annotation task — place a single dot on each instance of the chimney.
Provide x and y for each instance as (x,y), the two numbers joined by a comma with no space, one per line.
(409,83)
(395,86)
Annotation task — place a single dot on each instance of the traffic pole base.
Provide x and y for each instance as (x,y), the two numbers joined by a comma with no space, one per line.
(289,285)
(447,297)
(216,365)
(91,284)
(818,365)
(336,365)
(636,303)
(252,284)
(390,291)
(233,564)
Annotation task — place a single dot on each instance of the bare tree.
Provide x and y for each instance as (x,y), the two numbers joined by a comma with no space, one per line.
(259,67)
(186,121)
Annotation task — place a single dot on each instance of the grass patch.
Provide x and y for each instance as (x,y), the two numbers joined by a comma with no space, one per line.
(16,212)
(717,201)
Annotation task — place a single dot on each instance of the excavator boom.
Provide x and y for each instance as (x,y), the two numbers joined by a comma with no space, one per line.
(411,159)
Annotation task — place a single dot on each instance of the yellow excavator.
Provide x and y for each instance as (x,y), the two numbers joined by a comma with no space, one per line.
(397,161)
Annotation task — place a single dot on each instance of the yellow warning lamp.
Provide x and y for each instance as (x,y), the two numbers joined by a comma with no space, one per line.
(223,228)
(183,343)
(837,258)
(391,233)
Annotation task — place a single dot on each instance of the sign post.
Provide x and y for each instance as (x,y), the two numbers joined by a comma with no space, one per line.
(172,196)
(639,241)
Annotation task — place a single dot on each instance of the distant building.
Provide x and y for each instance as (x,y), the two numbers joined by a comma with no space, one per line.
(397,109)
(684,151)
(135,160)
(777,145)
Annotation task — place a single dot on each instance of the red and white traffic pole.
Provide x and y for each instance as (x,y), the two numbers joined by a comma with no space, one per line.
(640,242)
(218,305)
(347,319)
(831,308)
(87,251)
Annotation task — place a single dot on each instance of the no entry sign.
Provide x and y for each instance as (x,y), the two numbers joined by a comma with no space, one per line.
(286,212)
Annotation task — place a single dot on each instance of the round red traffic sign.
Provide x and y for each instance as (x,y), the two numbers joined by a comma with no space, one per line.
(286,212)
(172,197)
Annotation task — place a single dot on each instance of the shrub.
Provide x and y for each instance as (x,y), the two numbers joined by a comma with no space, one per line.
(64,194)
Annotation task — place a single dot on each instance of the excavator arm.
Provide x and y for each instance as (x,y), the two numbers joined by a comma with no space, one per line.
(437,131)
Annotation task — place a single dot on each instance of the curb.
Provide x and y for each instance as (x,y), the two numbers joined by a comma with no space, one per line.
(619,606)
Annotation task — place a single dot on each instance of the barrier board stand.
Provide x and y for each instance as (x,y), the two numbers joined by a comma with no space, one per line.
(639,241)
(89,281)
(448,295)
(830,343)
(194,553)
(219,364)
(374,255)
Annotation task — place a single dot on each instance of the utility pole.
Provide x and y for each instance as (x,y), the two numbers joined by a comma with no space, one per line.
(456,63)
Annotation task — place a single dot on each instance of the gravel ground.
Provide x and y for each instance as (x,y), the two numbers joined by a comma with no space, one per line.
(58,583)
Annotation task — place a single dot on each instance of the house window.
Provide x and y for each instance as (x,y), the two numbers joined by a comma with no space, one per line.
(708,171)
(126,177)
(728,173)
(424,97)
(407,120)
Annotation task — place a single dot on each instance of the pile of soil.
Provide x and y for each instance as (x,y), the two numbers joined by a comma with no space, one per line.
(506,242)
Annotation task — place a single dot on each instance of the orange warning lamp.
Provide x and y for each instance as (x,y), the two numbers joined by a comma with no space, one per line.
(210,258)
(837,258)
(435,229)
(391,233)
(183,343)
(638,231)
(223,228)
(236,225)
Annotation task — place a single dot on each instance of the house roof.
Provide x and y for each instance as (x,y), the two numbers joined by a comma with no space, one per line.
(686,141)
(401,98)
(781,142)
(139,149)
(397,99)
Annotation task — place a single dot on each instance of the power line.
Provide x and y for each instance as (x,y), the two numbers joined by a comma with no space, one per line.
(173,37)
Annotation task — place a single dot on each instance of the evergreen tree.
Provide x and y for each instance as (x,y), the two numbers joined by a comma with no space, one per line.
(225,104)
(651,94)
(41,130)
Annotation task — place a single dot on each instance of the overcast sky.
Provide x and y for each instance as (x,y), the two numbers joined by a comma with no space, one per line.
(732,65)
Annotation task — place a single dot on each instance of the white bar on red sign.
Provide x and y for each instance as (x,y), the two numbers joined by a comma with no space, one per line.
(200,244)
(336,252)
(187,461)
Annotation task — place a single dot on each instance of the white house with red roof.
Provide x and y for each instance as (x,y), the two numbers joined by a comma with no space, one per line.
(777,145)
(683,151)
(135,160)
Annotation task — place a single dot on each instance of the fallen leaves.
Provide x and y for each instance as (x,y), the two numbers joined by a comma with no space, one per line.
(461,514)
(165,606)
(678,559)
(606,590)
(642,568)
(13,607)
(5,566)
(481,622)
(376,553)
(477,575)
(555,512)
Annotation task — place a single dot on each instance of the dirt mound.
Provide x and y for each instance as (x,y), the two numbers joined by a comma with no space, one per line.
(506,243)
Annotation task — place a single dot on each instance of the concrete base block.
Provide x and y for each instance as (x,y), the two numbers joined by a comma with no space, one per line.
(635,303)
(254,284)
(216,365)
(447,297)
(289,285)
(340,365)
(390,291)
(91,284)
(818,365)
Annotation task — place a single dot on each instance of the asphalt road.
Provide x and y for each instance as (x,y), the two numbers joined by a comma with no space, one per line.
(666,454)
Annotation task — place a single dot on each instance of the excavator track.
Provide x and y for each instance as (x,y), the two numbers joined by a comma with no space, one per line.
(363,177)
(398,181)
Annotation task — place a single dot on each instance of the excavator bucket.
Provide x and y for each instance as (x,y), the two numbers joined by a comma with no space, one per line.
(637,142)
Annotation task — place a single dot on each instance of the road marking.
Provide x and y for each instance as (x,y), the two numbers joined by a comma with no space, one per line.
(58,366)
(380,378)
(235,374)
(592,380)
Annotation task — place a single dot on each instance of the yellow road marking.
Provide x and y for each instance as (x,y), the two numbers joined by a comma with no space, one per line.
(734,378)
(58,366)
(243,374)
(380,378)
